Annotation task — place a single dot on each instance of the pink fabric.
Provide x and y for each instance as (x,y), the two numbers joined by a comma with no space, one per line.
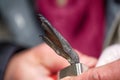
(81,22)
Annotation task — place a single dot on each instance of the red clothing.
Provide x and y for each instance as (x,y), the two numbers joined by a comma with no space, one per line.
(81,22)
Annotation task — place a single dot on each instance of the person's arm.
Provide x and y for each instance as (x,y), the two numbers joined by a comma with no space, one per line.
(7,50)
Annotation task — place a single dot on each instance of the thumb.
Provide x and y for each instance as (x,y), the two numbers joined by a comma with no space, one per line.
(107,72)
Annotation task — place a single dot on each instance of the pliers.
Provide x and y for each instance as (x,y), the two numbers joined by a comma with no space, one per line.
(60,45)
(57,42)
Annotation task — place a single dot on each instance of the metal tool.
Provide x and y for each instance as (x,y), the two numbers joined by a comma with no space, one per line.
(56,41)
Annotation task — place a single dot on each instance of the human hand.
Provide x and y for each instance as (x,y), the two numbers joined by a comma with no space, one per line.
(87,60)
(107,72)
(34,64)
(38,63)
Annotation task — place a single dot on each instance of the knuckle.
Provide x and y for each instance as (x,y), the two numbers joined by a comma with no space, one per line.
(96,75)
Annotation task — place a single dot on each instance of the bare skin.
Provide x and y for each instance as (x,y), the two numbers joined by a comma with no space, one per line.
(107,72)
(39,63)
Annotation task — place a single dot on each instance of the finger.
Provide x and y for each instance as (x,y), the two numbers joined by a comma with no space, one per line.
(107,72)
(87,60)
(47,57)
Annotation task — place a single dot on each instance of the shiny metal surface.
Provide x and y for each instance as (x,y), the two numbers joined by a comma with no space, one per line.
(72,70)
